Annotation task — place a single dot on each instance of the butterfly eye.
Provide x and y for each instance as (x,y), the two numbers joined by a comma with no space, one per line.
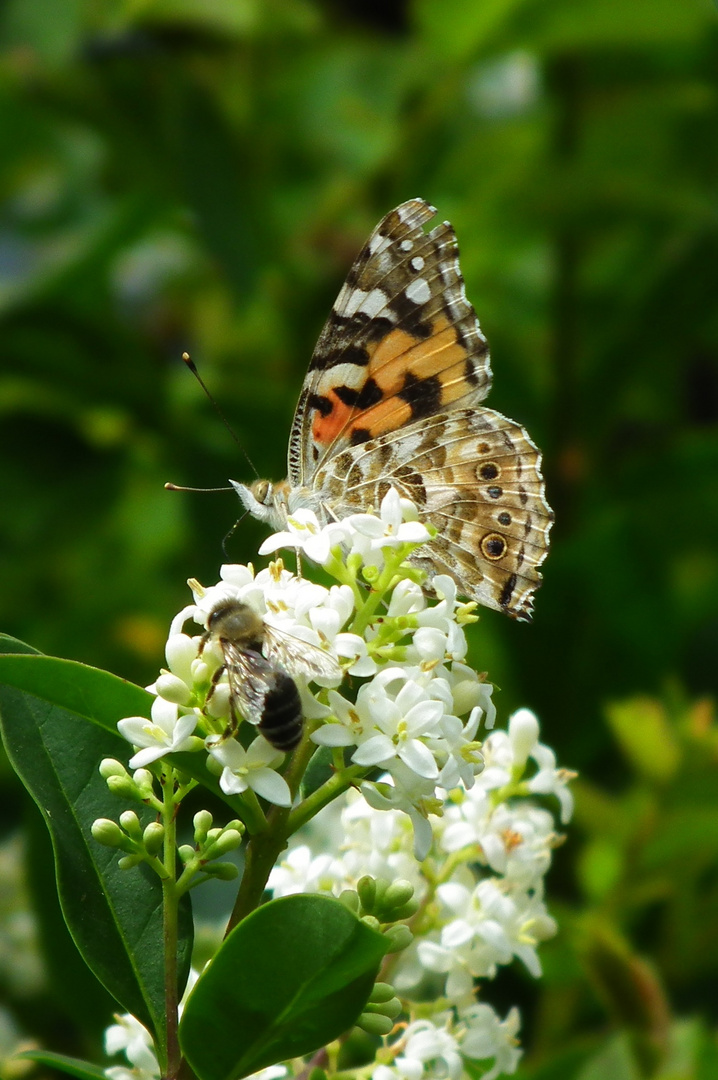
(262,491)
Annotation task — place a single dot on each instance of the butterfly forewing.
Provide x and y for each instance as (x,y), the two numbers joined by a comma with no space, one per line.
(402,342)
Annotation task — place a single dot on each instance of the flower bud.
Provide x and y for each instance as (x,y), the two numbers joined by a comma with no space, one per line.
(109,767)
(350,900)
(202,822)
(397,894)
(186,852)
(108,832)
(523,734)
(227,841)
(398,937)
(123,786)
(172,689)
(382,992)
(144,780)
(128,862)
(131,824)
(153,837)
(225,871)
(371,921)
(375,1023)
(366,888)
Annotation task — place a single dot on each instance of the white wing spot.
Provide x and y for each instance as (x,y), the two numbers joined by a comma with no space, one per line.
(418,291)
(406,245)
(417,263)
(373,303)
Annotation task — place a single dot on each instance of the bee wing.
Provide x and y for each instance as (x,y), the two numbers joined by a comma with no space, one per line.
(298,657)
(250,679)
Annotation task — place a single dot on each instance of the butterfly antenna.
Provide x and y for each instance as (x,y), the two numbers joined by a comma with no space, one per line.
(193,368)
(179,487)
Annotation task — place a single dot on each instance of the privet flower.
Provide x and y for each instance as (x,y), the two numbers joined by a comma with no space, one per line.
(438,798)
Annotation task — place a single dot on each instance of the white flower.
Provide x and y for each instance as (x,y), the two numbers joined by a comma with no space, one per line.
(412,794)
(430,1051)
(130,1037)
(395,525)
(552,781)
(165,733)
(304,533)
(482,1035)
(402,723)
(251,768)
(302,872)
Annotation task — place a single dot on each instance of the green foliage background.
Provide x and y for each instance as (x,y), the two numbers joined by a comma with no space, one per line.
(198,174)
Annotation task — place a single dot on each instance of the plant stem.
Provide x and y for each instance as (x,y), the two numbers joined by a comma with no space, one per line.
(170,918)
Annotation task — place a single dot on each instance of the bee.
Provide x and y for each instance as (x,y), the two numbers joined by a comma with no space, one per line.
(258,659)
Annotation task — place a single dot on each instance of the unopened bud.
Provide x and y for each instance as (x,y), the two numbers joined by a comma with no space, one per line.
(145,782)
(110,767)
(225,871)
(398,894)
(202,822)
(153,837)
(186,852)
(375,1023)
(128,862)
(172,689)
(382,992)
(350,899)
(108,832)
(131,824)
(227,841)
(398,937)
(122,786)
(371,921)
(366,889)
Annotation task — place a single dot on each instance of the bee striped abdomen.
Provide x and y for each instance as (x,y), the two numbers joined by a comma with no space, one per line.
(281,722)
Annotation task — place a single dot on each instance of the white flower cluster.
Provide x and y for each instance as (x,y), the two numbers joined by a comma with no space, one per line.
(409,718)
(480,892)
(429,803)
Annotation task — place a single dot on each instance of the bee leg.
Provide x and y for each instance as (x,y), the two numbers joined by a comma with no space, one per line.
(233,723)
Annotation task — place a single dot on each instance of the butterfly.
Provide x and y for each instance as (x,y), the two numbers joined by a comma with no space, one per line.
(393,397)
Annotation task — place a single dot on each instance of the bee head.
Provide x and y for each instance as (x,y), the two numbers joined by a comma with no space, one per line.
(235,621)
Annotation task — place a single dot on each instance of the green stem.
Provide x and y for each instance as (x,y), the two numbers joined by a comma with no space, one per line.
(264,847)
(333,787)
(170,907)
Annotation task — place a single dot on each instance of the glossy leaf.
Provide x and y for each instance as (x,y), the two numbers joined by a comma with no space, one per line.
(293,976)
(114,916)
(83,1070)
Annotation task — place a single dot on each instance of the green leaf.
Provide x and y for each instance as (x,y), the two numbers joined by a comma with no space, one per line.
(83,1070)
(114,916)
(293,976)
(100,697)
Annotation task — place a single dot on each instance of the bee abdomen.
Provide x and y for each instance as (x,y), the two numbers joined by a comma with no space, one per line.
(281,722)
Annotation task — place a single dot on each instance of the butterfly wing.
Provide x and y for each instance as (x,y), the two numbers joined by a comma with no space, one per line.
(476,476)
(402,344)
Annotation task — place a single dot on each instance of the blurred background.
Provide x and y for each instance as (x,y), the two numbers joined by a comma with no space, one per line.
(199,174)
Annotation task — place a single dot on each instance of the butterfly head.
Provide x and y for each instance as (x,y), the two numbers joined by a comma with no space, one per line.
(264,500)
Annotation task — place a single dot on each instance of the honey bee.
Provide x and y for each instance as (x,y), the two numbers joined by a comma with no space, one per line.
(258,659)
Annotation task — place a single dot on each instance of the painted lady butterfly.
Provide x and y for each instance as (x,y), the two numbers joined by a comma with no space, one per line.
(392,397)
